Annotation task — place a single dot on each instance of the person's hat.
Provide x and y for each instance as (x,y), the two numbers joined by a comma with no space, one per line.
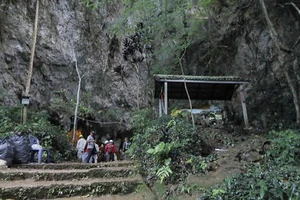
(111,141)
(106,141)
(80,136)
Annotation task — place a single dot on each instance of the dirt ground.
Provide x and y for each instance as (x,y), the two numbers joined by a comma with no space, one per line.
(113,197)
(230,160)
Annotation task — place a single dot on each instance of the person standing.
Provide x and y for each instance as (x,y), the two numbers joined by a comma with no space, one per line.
(102,153)
(90,145)
(126,146)
(80,146)
(110,150)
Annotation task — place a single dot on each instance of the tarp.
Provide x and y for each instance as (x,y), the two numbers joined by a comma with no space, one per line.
(22,148)
(213,109)
(6,151)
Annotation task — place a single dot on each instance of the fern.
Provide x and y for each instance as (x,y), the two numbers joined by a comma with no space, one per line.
(165,171)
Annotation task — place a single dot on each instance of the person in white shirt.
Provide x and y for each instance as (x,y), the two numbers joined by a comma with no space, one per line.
(80,147)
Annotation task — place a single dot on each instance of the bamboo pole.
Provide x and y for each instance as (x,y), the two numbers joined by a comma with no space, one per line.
(29,76)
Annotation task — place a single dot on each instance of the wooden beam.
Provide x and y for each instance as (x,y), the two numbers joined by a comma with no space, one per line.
(199,81)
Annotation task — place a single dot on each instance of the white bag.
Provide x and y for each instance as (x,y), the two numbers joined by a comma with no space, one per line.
(36,147)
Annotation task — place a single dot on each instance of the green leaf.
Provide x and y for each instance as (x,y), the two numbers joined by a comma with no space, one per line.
(160,147)
(150,151)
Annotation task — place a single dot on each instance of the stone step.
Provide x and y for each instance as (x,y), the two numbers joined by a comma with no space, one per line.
(12,174)
(75,165)
(30,189)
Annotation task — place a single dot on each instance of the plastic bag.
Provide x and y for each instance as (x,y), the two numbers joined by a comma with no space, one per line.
(6,151)
(22,148)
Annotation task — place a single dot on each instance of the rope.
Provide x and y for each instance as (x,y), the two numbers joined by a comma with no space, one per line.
(99,122)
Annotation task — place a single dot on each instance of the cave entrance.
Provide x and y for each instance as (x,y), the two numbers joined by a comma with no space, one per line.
(115,131)
(199,88)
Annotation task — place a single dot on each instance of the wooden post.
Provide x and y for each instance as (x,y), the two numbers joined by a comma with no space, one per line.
(166,98)
(159,107)
(243,100)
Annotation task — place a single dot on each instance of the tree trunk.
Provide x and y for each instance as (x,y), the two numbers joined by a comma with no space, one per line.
(77,104)
(295,96)
(186,89)
(275,38)
(29,76)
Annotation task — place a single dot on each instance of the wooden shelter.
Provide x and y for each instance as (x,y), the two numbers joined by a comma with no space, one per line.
(199,88)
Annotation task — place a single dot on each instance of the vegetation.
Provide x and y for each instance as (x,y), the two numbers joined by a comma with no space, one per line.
(164,148)
(50,136)
(276,177)
(162,29)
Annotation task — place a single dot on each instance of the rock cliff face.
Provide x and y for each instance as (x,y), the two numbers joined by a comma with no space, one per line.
(255,57)
(68,32)
(238,44)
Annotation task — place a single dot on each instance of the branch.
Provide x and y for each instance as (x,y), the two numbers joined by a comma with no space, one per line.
(247,6)
(297,41)
(274,37)
(292,4)
(298,10)
(272,31)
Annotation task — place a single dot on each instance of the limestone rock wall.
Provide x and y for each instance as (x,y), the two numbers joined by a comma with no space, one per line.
(67,32)
(239,44)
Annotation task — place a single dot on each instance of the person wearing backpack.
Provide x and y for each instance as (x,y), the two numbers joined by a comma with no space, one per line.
(110,150)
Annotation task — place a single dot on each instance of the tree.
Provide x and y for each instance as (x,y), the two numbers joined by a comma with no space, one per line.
(164,27)
(281,58)
(168,27)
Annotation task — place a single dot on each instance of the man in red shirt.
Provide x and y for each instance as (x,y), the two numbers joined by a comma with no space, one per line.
(110,150)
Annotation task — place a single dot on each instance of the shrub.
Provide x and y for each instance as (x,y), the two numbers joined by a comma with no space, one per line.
(162,146)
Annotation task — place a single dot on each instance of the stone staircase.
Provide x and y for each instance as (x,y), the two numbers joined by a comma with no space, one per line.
(63,180)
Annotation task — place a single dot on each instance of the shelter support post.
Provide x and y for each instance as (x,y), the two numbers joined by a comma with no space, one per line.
(160,107)
(166,97)
(243,100)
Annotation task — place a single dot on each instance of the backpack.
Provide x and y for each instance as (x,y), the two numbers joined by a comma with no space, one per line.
(94,151)
(127,145)
(85,147)
(109,148)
